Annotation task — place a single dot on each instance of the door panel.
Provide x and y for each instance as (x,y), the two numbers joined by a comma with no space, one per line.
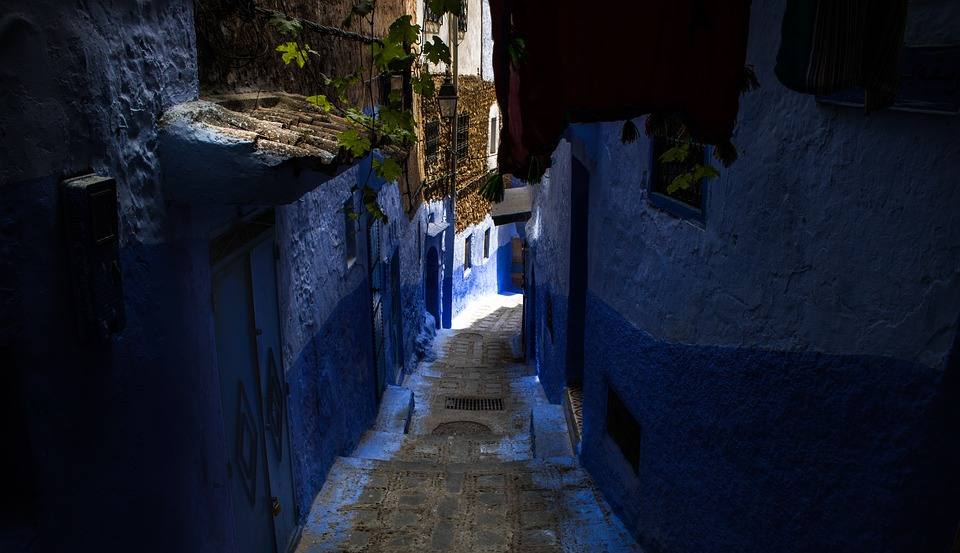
(273,390)
(240,400)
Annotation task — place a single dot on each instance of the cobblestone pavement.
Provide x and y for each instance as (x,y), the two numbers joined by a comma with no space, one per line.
(466,477)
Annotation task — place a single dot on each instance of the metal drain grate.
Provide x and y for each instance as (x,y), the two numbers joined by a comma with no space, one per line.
(474,403)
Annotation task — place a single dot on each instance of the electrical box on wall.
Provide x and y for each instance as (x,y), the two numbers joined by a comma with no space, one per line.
(92,236)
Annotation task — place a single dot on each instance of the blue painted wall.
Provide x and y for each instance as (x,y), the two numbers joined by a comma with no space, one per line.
(122,442)
(482,278)
(786,360)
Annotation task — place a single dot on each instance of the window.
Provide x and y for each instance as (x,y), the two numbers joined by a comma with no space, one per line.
(688,203)
(494,134)
(431,143)
(486,244)
(431,19)
(624,429)
(468,253)
(349,232)
(462,17)
(463,136)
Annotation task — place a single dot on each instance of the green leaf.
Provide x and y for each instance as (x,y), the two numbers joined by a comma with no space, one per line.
(386,53)
(423,85)
(676,154)
(704,172)
(403,31)
(363,9)
(395,97)
(436,51)
(388,169)
(286,25)
(687,179)
(340,85)
(320,101)
(441,7)
(682,181)
(396,124)
(517,50)
(373,207)
(492,188)
(352,140)
(293,53)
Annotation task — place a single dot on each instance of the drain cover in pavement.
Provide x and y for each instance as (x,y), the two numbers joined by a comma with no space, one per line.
(474,403)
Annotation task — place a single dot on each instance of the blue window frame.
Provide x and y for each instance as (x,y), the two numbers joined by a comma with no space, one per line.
(686,204)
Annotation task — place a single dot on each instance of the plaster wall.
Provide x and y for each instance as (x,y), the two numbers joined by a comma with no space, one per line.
(548,235)
(786,360)
(82,89)
(482,278)
(124,438)
(475,54)
(833,232)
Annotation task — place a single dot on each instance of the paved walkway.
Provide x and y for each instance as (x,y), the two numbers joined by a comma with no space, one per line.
(485,466)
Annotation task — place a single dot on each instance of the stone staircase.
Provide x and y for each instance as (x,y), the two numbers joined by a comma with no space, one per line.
(467,456)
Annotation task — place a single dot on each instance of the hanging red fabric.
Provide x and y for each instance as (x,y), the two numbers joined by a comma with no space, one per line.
(564,61)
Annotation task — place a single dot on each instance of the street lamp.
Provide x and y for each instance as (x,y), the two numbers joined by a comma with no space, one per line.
(447,97)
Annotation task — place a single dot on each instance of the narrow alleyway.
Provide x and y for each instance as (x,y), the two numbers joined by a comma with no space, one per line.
(485,464)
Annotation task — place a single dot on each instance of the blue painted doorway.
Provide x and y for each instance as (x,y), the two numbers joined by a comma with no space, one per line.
(431,275)
(253,389)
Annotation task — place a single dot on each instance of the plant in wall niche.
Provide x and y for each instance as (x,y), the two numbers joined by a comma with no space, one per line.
(397,57)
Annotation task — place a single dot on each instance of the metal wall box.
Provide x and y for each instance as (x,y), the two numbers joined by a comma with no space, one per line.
(92,237)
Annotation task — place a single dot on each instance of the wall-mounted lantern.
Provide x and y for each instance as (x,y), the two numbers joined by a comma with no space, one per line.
(447,97)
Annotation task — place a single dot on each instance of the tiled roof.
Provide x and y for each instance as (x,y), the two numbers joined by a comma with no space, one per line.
(277,122)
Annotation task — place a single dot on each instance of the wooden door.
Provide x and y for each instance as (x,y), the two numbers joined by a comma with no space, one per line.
(253,396)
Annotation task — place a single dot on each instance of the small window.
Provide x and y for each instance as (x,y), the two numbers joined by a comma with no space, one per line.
(468,253)
(494,134)
(350,231)
(486,244)
(462,17)
(431,143)
(463,136)
(431,19)
(687,203)
(624,429)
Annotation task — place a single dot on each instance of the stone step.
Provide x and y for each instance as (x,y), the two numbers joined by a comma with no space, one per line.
(473,447)
(548,426)
(396,409)
(535,505)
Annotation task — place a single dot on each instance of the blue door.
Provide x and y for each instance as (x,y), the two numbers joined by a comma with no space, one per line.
(253,397)
(431,275)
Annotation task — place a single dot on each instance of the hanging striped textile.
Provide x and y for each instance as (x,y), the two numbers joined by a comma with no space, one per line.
(833,45)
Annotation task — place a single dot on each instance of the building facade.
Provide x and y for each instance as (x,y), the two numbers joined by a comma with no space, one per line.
(184,379)
(767,362)
(475,250)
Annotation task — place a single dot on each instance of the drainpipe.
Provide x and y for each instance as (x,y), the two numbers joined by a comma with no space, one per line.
(451,232)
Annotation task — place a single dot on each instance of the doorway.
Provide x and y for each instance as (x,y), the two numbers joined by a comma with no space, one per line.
(253,389)
(432,284)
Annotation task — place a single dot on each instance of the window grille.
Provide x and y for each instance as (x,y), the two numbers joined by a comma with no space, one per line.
(463,136)
(462,17)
